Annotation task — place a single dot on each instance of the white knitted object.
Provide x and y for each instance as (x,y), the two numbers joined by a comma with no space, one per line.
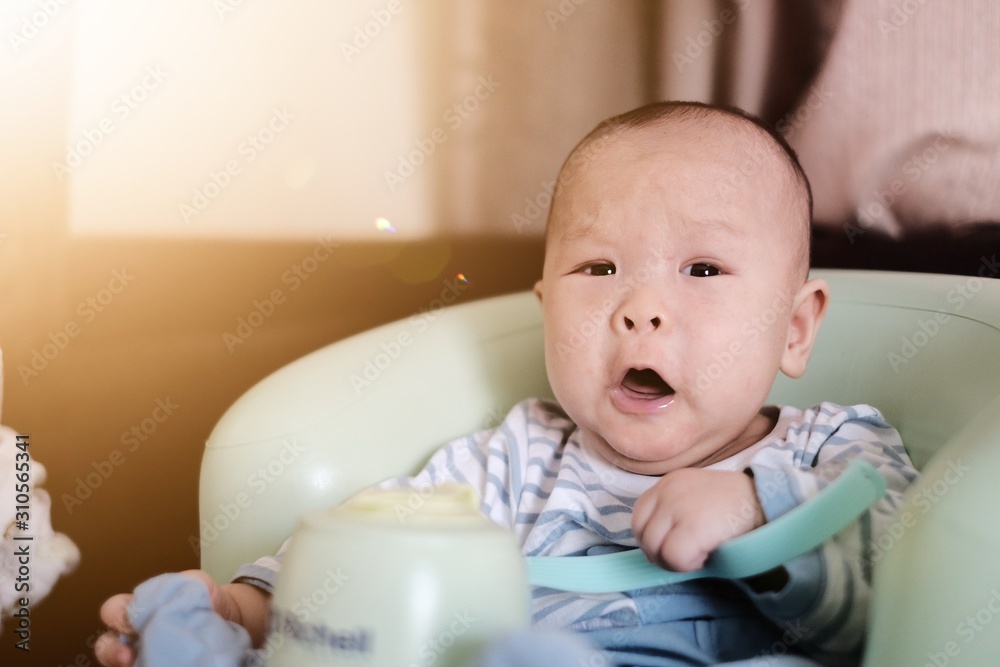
(50,554)
(904,129)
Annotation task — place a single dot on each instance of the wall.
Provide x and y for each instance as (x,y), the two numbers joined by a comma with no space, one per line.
(156,352)
(116,352)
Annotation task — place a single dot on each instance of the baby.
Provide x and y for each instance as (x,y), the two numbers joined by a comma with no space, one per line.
(674,289)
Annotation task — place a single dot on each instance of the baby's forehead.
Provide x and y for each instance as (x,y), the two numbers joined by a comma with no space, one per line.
(720,161)
(728,143)
(729,160)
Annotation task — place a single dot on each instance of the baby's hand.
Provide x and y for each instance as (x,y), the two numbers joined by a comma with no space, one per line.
(110,649)
(690,512)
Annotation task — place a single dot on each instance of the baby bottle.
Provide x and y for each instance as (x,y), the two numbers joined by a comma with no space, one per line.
(394,578)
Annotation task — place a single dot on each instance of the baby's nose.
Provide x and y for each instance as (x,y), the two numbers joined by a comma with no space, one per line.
(630,324)
(642,311)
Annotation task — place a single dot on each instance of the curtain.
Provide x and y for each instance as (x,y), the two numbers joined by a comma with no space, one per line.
(558,67)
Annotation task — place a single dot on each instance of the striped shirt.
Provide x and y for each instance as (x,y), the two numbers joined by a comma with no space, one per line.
(536,477)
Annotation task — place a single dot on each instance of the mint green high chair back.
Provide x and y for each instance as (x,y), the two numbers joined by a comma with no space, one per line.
(924,349)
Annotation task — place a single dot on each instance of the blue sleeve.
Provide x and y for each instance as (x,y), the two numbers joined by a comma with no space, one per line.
(824,603)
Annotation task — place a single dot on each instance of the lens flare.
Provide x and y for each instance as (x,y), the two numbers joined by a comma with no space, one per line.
(384,225)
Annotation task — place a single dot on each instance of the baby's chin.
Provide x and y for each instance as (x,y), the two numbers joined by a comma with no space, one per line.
(641,460)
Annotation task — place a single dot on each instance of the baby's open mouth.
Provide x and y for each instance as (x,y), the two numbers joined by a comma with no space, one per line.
(645,384)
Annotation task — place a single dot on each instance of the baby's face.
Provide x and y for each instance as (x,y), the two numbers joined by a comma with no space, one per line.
(667,294)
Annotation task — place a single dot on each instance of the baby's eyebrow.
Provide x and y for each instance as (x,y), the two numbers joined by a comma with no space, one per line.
(713,226)
(577,232)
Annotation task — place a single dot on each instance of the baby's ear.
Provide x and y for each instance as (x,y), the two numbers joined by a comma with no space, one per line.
(808,309)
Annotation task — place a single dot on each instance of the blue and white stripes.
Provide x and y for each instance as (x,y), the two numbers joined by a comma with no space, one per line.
(536,477)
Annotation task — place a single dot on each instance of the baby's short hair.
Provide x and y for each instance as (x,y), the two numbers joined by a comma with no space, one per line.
(695,114)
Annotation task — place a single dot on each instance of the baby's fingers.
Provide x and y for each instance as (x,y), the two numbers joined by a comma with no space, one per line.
(111,652)
(109,649)
(651,529)
(114,613)
(666,540)
(641,512)
(681,549)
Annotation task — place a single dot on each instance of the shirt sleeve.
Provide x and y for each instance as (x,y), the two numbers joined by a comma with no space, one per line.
(824,604)
(262,573)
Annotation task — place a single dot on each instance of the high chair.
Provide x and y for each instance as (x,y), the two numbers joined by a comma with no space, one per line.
(924,349)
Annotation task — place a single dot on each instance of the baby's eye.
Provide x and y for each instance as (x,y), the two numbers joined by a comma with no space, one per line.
(599,269)
(702,270)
